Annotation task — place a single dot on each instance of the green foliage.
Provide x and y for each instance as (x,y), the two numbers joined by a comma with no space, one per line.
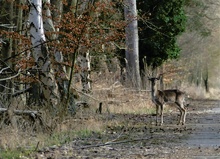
(160,23)
(67,136)
(10,154)
(14,154)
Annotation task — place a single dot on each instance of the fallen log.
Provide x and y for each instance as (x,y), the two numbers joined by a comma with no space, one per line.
(32,113)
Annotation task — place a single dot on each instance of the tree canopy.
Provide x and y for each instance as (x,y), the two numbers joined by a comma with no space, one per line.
(160,24)
(92,28)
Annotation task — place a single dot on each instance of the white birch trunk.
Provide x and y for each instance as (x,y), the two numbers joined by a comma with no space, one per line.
(132,50)
(41,55)
(84,56)
(60,70)
(48,23)
(84,62)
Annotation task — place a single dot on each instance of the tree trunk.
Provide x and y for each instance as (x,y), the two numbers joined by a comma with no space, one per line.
(83,53)
(18,42)
(60,70)
(48,85)
(84,61)
(132,52)
(206,78)
(161,78)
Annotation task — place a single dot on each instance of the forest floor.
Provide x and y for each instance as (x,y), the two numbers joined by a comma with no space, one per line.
(136,136)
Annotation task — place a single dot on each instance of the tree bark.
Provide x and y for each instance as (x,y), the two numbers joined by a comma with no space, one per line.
(61,75)
(84,61)
(206,78)
(132,51)
(48,85)
(83,53)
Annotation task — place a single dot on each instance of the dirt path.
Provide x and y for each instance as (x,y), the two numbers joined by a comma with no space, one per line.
(136,137)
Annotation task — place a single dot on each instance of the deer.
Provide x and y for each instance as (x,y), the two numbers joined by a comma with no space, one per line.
(161,97)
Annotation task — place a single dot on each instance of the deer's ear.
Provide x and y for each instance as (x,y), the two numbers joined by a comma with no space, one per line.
(160,76)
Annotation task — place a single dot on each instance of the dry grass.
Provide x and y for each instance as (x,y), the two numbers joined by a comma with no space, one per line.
(12,138)
(115,98)
(119,99)
(199,92)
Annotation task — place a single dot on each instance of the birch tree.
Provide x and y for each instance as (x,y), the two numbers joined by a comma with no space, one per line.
(132,53)
(84,63)
(61,75)
(79,8)
(48,85)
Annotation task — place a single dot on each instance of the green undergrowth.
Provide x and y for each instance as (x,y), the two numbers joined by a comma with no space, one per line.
(15,153)
(61,138)
(47,140)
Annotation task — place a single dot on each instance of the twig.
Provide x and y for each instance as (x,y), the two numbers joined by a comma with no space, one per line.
(86,94)
(36,148)
(21,92)
(114,143)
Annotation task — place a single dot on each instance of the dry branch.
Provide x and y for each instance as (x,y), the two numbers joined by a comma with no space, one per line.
(86,94)
(114,143)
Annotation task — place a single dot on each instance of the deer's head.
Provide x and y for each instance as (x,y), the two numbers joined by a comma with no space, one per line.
(153,81)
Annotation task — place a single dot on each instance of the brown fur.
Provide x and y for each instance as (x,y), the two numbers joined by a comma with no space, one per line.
(159,98)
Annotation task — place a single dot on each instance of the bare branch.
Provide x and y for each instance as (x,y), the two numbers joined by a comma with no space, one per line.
(4,69)
(8,78)
(21,92)
(114,143)
(9,26)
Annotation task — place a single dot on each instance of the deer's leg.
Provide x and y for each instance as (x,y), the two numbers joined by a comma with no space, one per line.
(184,116)
(181,113)
(157,113)
(181,117)
(161,114)
(183,109)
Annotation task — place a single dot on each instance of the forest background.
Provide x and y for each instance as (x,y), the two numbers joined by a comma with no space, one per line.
(76,59)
